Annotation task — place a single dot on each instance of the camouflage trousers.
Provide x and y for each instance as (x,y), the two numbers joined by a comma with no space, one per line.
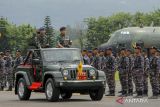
(138,75)
(159,82)
(9,76)
(154,81)
(123,73)
(130,80)
(110,76)
(1,78)
(145,79)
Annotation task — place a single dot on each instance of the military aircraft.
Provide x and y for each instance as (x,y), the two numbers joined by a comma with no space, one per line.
(130,37)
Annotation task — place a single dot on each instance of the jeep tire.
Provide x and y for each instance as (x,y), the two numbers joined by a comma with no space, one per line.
(23,92)
(52,93)
(97,95)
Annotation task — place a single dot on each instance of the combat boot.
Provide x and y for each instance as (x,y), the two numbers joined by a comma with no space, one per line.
(135,92)
(120,91)
(111,93)
(145,93)
(130,92)
(9,89)
(124,94)
(155,96)
(139,94)
(1,88)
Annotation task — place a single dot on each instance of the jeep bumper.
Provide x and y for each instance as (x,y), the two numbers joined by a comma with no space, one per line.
(81,85)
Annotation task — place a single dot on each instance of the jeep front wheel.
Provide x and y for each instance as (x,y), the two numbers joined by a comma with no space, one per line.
(23,92)
(97,95)
(52,93)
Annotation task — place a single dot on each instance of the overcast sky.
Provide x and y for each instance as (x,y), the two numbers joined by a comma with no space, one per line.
(69,12)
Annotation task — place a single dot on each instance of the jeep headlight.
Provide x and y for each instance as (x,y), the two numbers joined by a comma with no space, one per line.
(92,72)
(65,72)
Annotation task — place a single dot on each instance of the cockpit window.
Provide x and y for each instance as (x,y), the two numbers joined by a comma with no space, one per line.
(120,36)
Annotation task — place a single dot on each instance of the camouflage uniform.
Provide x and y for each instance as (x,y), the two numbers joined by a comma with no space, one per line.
(154,74)
(86,60)
(101,62)
(130,75)
(41,41)
(159,76)
(9,71)
(95,61)
(18,61)
(109,69)
(90,60)
(2,70)
(138,72)
(117,64)
(123,68)
(63,41)
(146,73)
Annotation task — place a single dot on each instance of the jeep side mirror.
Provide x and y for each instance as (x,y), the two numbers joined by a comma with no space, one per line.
(36,61)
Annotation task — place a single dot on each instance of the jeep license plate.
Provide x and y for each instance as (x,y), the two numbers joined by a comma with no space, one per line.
(82,76)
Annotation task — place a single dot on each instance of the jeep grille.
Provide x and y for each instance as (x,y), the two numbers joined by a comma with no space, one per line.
(73,74)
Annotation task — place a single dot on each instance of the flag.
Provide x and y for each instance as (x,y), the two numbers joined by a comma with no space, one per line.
(80,68)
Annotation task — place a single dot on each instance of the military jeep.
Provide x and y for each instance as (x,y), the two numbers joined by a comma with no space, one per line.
(58,72)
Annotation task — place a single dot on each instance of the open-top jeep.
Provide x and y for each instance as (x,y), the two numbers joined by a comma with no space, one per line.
(58,71)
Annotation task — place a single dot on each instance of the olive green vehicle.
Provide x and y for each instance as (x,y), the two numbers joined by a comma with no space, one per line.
(54,71)
(145,37)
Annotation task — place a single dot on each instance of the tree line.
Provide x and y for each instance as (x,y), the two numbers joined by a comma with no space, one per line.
(92,33)
(15,37)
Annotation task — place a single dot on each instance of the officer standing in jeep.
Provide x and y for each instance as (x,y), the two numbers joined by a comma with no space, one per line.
(62,42)
(154,72)
(41,38)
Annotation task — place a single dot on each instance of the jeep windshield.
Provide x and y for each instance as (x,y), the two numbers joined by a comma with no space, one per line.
(62,55)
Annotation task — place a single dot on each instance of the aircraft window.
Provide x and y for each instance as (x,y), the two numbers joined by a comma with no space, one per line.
(125,32)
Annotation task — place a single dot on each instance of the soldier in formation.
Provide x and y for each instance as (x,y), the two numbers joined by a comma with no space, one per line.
(2,70)
(134,68)
(138,71)
(146,74)
(8,69)
(154,72)
(130,74)
(109,69)
(85,57)
(123,68)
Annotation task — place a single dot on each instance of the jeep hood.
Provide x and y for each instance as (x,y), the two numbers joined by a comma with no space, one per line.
(66,66)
